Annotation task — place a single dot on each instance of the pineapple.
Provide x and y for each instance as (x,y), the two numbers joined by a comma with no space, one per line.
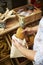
(19,33)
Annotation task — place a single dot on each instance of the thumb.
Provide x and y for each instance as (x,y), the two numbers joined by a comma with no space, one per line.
(25,30)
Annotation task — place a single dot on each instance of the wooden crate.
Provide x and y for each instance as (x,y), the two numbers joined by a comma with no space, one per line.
(4,49)
(7,61)
(14,24)
(34,16)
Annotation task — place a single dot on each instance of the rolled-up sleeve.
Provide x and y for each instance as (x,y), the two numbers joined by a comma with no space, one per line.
(38,59)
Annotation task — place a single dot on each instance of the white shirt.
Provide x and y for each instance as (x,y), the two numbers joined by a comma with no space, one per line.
(38,45)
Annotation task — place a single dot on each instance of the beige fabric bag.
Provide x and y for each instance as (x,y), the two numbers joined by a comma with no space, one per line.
(14,51)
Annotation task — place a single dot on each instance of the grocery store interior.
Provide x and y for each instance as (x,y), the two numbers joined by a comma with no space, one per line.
(16,16)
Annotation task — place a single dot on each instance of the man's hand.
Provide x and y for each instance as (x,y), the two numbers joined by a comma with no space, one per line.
(28,30)
(16,43)
(26,52)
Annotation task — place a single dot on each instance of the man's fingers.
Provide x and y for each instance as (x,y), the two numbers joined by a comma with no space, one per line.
(15,41)
(24,31)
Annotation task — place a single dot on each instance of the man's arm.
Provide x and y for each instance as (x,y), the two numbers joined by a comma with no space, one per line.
(35,28)
(26,52)
(31,29)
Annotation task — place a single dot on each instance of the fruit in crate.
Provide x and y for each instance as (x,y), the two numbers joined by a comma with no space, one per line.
(4,49)
(31,39)
(19,33)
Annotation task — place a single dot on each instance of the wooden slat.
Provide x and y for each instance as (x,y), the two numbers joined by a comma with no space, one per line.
(7,41)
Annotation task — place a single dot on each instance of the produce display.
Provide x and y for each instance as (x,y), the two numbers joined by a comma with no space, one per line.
(26,11)
(30,37)
(9,14)
(4,49)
